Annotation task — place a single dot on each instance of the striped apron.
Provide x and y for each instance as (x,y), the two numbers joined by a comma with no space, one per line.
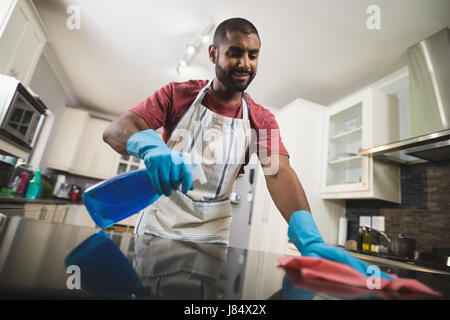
(203,214)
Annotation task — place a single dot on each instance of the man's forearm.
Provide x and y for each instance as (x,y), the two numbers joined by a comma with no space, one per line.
(286,190)
(118,132)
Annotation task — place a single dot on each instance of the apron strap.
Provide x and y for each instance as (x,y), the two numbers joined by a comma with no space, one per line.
(245,107)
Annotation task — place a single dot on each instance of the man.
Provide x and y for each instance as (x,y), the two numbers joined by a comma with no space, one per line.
(187,110)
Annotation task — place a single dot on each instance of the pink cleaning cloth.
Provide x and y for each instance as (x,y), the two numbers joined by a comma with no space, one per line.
(324,269)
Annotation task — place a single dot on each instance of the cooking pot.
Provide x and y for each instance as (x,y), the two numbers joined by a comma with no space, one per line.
(403,247)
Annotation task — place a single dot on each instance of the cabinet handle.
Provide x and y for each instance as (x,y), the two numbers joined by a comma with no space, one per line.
(42,215)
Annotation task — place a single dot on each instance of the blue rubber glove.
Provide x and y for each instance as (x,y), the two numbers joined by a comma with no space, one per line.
(165,167)
(304,234)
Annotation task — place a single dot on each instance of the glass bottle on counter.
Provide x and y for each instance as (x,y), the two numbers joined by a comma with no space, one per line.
(366,240)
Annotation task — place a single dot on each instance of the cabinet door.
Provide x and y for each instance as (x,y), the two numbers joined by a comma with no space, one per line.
(358,122)
(95,158)
(60,213)
(346,134)
(71,214)
(66,146)
(48,211)
(129,163)
(33,210)
(22,43)
(78,215)
(83,217)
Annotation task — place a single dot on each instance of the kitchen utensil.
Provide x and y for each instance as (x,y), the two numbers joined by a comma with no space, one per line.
(62,188)
(403,247)
(75,192)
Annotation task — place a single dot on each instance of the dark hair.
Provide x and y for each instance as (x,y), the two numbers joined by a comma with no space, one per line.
(230,25)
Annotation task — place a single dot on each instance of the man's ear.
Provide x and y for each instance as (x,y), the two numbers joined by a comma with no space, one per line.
(212,53)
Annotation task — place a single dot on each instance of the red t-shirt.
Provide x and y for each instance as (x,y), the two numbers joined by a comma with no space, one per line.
(168,104)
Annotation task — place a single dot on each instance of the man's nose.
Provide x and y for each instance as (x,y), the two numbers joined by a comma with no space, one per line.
(244,62)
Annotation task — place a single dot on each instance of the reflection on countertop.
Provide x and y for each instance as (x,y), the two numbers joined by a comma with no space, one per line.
(40,259)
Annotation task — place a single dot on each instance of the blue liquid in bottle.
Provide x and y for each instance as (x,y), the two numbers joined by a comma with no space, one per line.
(120,197)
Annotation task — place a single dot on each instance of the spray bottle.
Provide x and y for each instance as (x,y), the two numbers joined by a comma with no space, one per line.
(118,198)
(35,186)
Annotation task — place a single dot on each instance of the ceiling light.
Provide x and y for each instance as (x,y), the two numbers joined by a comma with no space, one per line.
(193,47)
(205,39)
(190,50)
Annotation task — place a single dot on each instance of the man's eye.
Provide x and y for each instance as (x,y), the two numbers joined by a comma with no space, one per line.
(253,56)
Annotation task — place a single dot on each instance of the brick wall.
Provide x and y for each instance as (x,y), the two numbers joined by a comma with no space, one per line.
(424,213)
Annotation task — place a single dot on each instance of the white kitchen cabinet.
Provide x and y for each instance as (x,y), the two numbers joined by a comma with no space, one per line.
(40,211)
(79,147)
(78,215)
(33,210)
(302,126)
(22,40)
(60,213)
(95,157)
(48,211)
(67,144)
(362,120)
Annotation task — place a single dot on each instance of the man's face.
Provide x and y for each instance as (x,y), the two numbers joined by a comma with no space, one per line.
(237,60)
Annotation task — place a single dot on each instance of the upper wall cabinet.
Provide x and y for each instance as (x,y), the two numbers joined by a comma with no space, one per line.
(79,147)
(22,39)
(365,119)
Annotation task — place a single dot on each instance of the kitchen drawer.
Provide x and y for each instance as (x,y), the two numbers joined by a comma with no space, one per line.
(47,212)
(33,210)
(40,211)
(60,213)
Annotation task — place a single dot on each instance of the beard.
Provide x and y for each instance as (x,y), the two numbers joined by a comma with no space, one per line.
(225,77)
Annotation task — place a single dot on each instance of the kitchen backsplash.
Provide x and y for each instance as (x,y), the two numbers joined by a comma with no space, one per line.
(81,181)
(424,213)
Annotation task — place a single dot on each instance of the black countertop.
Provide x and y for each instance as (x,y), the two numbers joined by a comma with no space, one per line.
(40,259)
(13,199)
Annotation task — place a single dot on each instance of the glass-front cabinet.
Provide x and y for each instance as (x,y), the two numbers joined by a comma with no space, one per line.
(365,119)
(129,163)
(345,141)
